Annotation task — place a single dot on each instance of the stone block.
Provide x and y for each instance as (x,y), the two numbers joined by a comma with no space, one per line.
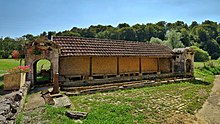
(62,102)
(76,114)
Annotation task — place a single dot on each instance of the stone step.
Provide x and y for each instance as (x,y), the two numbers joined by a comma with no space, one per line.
(74,91)
(96,86)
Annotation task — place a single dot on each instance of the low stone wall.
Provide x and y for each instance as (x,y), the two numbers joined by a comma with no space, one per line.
(12,103)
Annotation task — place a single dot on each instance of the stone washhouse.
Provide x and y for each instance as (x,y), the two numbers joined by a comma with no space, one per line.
(88,61)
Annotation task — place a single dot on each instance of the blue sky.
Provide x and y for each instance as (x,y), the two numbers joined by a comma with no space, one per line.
(20,17)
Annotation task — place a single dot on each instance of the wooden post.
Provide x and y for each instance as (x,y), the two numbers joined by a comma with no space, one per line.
(55,83)
(117,65)
(90,68)
(140,71)
(158,66)
(172,60)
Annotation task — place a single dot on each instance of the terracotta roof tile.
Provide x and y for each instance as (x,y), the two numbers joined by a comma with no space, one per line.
(77,46)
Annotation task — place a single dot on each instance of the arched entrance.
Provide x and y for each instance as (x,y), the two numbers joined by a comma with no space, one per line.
(41,49)
(188,66)
(43,72)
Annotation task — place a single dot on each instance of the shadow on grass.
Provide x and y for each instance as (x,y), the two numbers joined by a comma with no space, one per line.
(199,82)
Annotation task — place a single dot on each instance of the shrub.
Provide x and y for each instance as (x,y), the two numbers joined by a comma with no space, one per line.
(200,55)
(1,53)
(5,56)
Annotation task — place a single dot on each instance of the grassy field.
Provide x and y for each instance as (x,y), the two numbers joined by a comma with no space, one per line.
(211,62)
(171,103)
(6,64)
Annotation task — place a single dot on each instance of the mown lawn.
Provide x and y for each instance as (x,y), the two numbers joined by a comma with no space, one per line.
(170,103)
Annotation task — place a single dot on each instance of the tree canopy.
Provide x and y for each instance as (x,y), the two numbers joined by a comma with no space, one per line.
(205,36)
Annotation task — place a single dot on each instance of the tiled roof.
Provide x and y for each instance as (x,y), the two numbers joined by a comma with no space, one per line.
(76,46)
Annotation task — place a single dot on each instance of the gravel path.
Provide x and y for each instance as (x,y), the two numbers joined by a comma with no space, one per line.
(210,112)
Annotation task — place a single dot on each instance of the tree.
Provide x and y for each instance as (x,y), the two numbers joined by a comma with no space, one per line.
(213,48)
(185,38)
(70,33)
(173,39)
(127,33)
(123,25)
(44,34)
(218,40)
(51,33)
(194,24)
(156,40)
(200,55)
(29,37)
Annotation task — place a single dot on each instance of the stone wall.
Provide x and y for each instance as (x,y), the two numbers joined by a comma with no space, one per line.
(12,103)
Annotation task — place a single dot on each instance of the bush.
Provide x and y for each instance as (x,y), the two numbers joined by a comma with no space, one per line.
(200,55)
(215,55)
(1,53)
(5,56)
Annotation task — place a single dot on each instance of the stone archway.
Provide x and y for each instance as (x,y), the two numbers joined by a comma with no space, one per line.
(42,72)
(42,48)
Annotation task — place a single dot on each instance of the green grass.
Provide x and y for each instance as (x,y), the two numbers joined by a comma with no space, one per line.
(43,64)
(6,64)
(202,64)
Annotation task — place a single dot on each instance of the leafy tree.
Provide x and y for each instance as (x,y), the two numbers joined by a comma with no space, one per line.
(44,34)
(104,35)
(29,37)
(156,40)
(218,40)
(213,48)
(127,33)
(70,33)
(123,25)
(185,37)
(51,33)
(140,32)
(200,55)
(194,24)
(173,39)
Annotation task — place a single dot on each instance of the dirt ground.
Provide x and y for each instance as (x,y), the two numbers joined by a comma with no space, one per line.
(210,112)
